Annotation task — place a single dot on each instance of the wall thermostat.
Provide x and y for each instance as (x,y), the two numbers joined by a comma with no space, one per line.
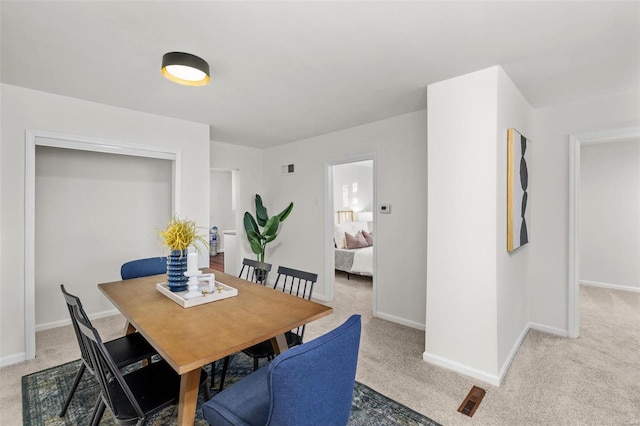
(385,208)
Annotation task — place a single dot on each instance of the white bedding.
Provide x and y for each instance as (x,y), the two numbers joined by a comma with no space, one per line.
(354,261)
(363,261)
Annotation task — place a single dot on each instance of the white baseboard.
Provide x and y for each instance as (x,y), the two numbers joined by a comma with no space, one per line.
(320,297)
(551,330)
(62,323)
(12,359)
(399,320)
(492,379)
(20,357)
(611,286)
(458,367)
(512,354)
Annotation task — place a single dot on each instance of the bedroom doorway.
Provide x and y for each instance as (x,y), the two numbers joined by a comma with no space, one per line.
(576,143)
(351,230)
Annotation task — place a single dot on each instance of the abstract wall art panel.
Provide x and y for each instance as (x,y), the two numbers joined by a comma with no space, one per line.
(518,180)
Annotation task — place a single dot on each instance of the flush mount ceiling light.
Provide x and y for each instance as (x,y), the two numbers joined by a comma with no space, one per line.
(185,68)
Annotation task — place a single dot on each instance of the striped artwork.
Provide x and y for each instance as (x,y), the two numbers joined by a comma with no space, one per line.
(518,161)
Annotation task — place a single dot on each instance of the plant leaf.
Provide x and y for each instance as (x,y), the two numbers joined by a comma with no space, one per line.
(256,247)
(271,228)
(285,213)
(261,212)
(254,236)
(270,238)
(250,223)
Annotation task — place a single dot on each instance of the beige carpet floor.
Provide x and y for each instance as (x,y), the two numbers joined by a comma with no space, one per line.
(592,380)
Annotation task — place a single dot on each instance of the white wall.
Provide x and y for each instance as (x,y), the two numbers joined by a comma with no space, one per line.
(610,214)
(93,211)
(550,247)
(347,174)
(248,163)
(221,213)
(400,147)
(29,109)
(476,291)
(512,268)
(462,220)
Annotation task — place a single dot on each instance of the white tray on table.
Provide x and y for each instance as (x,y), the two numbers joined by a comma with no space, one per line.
(222,291)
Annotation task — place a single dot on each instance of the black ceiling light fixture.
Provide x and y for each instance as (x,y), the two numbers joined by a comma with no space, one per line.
(185,68)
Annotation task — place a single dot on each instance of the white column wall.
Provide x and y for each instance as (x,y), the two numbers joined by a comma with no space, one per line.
(30,109)
(512,268)
(461,329)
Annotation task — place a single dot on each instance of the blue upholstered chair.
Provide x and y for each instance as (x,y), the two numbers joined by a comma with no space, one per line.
(144,267)
(310,384)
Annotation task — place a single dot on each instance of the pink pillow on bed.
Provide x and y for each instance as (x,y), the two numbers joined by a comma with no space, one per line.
(367,236)
(355,242)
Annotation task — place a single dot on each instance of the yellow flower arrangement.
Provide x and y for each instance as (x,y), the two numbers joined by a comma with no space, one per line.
(180,234)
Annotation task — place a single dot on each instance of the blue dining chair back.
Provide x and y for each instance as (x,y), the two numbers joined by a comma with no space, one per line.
(144,267)
(310,384)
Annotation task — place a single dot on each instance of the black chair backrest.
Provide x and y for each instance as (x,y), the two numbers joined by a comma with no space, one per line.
(298,283)
(77,311)
(112,384)
(255,271)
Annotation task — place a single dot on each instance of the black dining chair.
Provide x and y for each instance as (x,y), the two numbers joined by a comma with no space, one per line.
(292,281)
(134,397)
(298,283)
(124,351)
(254,271)
(143,267)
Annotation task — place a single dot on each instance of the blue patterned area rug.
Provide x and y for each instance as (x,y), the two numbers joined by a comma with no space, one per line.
(43,394)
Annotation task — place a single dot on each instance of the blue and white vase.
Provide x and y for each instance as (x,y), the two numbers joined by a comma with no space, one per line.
(176,267)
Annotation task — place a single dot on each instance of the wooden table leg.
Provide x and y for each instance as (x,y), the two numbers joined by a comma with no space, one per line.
(128,328)
(279,344)
(189,385)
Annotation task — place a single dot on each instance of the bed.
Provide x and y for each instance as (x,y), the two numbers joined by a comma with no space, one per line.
(353,253)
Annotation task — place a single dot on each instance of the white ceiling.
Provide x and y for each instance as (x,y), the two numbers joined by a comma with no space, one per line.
(285,71)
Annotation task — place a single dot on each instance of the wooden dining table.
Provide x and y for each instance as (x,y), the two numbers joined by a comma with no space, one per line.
(190,338)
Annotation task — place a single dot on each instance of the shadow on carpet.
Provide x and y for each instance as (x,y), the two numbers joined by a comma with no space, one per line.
(43,394)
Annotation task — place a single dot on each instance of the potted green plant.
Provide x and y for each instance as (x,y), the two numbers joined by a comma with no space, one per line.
(178,236)
(263,229)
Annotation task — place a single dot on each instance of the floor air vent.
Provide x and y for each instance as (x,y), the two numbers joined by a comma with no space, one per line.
(472,401)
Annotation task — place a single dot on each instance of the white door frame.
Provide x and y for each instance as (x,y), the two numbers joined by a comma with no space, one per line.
(576,141)
(329,263)
(82,143)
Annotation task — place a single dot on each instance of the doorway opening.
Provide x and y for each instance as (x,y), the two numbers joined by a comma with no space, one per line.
(350,252)
(35,139)
(576,142)
(223,215)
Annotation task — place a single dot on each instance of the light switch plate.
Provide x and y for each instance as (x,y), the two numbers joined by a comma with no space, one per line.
(385,208)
